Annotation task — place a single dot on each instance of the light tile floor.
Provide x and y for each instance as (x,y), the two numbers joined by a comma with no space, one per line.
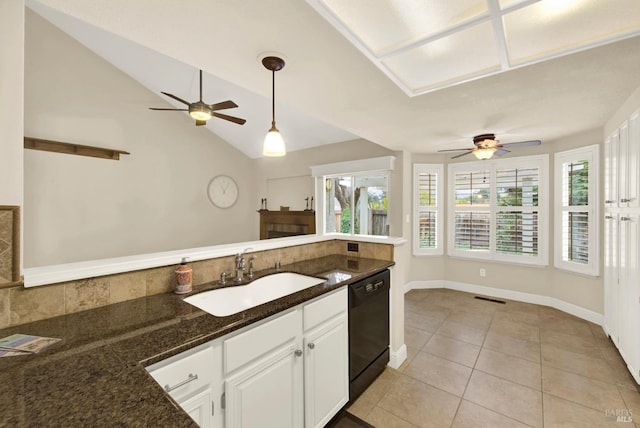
(473,363)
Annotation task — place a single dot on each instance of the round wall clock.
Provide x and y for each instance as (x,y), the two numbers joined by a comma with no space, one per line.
(223,191)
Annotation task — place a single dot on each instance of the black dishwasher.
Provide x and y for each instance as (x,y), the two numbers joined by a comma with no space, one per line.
(368,331)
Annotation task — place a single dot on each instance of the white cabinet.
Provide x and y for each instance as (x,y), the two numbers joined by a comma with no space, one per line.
(200,408)
(326,343)
(291,371)
(288,371)
(194,380)
(622,241)
(264,374)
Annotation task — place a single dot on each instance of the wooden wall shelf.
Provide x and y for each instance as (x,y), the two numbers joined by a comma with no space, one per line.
(277,224)
(72,149)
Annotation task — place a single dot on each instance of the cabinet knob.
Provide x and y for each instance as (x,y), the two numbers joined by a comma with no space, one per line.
(298,352)
(625,218)
(608,217)
(608,201)
(311,345)
(623,200)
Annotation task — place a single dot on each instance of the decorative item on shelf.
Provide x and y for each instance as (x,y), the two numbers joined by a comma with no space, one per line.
(266,208)
(273,142)
(312,203)
(306,208)
(263,204)
(183,278)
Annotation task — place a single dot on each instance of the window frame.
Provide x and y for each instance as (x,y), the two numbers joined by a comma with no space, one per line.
(383,165)
(538,161)
(592,155)
(438,170)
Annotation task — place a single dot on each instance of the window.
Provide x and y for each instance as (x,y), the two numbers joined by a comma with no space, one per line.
(355,196)
(427,209)
(576,201)
(356,204)
(497,210)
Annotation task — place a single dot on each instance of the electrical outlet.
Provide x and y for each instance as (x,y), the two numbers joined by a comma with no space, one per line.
(352,246)
(483,272)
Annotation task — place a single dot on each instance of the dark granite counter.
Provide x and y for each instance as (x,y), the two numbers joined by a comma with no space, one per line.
(95,376)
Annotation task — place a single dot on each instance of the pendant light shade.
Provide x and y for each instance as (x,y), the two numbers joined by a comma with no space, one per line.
(273,142)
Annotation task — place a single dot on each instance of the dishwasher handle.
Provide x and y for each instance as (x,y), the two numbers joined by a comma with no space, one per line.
(360,292)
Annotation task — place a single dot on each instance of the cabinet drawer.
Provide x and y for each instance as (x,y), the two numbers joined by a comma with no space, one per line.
(185,373)
(259,340)
(325,308)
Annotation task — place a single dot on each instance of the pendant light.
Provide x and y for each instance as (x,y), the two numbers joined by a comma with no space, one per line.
(273,142)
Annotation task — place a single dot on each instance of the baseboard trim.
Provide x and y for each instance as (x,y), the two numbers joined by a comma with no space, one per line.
(519,296)
(396,358)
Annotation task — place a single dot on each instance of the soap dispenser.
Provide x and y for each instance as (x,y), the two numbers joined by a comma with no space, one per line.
(183,278)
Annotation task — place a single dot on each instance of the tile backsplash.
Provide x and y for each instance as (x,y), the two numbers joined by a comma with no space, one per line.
(19,305)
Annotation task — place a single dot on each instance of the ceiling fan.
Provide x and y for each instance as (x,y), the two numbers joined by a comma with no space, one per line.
(202,112)
(486,145)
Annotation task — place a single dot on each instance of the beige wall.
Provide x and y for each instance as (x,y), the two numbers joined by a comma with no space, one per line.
(155,199)
(11,112)
(582,291)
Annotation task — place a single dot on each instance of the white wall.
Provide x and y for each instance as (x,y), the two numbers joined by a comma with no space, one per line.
(155,199)
(11,111)
(582,291)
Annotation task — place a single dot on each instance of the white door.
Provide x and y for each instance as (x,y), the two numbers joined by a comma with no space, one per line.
(326,371)
(611,170)
(199,408)
(267,393)
(623,165)
(610,274)
(622,292)
(633,160)
(633,301)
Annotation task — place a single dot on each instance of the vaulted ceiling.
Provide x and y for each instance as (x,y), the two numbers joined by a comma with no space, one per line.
(345,74)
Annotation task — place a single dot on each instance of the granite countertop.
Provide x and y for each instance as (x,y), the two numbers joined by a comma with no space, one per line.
(95,376)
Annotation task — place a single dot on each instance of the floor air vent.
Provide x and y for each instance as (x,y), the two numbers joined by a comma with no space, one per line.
(490,300)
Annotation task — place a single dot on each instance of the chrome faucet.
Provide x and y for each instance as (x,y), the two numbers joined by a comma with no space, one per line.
(241,265)
(250,273)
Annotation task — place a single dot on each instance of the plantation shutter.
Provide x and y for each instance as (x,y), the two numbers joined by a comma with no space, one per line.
(517,194)
(472,216)
(427,184)
(575,214)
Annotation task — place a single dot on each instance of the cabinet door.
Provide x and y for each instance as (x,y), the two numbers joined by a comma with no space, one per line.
(326,371)
(268,392)
(199,408)
(622,290)
(610,273)
(632,273)
(611,170)
(633,160)
(623,165)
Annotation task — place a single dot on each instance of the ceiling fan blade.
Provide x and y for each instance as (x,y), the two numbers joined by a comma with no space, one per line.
(169,109)
(461,154)
(452,150)
(200,122)
(230,118)
(501,152)
(223,105)
(176,98)
(521,144)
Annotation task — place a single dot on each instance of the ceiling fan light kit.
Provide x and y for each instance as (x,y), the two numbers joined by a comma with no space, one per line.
(484,153)
(273,143)
(486,146)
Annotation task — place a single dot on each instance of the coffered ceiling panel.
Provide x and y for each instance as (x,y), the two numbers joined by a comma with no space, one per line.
(426,45)
(461,55)
(549,27)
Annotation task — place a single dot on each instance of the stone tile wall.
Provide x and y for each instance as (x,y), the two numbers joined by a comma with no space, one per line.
(19,305)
